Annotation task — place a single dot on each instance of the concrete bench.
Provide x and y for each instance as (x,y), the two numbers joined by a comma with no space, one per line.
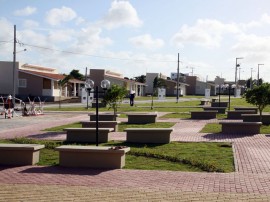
(104,117)
(19,154)
(149,135)
(238,114)
(241,127)
(221,110)
(91,156)
(87,135)
(204,114)
(256,118)
(101,124)
(219,104)
(255,109)
(100,104)
(214,99)
(205,102)
(141,118)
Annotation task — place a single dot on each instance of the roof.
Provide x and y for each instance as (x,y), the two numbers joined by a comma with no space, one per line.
(122,79)
(56,77)
(172,81)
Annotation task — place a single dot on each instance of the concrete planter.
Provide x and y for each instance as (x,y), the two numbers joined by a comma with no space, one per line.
(219,104)
(256,118)
(19,154)
(141,118)
(101,124)
(238,114)
(221,110)
(104,117)
(204,114)
(87,135)
(149,135)
(255,109)
(91,156)
(241,127)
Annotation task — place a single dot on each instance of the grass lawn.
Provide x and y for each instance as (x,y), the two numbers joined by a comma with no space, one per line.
(172,106)
(216,128)
(121,126)
(187,115)
(177,156)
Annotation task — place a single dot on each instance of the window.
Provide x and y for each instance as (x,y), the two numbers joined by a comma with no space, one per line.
(22,83)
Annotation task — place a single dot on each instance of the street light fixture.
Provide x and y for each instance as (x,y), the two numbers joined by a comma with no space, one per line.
(258,74)
(105,84)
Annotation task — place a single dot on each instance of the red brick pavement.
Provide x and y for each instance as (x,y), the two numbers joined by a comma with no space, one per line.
(250,182)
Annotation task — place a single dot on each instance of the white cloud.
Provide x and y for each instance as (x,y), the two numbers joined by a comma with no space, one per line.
(58,15)
(254,48)
(30,24)
(206,32)
(89,40)
(121,13)
(60,36)
(146,41)
(25,11)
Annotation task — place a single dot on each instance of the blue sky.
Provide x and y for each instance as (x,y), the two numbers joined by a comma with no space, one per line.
(138,36)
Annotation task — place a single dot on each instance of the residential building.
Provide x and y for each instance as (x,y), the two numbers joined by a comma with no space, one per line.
(170,85)
(197,87)
(97,75)
(35,81)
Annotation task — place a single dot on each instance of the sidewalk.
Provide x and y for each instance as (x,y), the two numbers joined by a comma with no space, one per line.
(250,182)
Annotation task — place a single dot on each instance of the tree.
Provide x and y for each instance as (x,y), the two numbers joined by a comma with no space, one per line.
(76,75)
(157,83)
(61,84)
(114,96)
(141,79)
(259,96)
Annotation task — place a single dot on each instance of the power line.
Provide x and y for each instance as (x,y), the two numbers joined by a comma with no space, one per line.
(97,56)
(85,54)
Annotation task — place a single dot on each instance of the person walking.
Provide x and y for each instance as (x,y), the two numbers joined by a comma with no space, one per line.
(131,97)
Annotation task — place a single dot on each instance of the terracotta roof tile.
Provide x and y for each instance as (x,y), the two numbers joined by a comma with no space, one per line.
(43,74)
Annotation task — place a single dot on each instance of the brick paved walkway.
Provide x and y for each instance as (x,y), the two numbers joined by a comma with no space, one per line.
(250,182)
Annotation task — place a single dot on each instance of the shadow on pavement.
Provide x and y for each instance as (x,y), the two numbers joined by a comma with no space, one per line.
(49,135)
(63,170)
(221,136)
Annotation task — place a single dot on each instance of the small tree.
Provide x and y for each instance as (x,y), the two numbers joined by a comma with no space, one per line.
(157,83)
(114,96)
(259,96)
(61,84)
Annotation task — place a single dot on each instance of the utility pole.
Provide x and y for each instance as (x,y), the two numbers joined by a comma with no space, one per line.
(258,74)
(14,66)
(251,79)
(177,89)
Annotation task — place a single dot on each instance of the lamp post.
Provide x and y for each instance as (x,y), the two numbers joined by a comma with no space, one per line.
(258,74)
(105,84)
(230,86)
(251,70)
(236,66)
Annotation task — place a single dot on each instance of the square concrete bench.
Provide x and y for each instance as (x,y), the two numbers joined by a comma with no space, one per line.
(256,118)
(141,118)
(205,102)
(221,110)
(219,104)
(238,114)
(104,117)
(149,135)
(211,114)
(91,156)
(87,135)
(255,109)
(19,154)
(101,124)
(241,127)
